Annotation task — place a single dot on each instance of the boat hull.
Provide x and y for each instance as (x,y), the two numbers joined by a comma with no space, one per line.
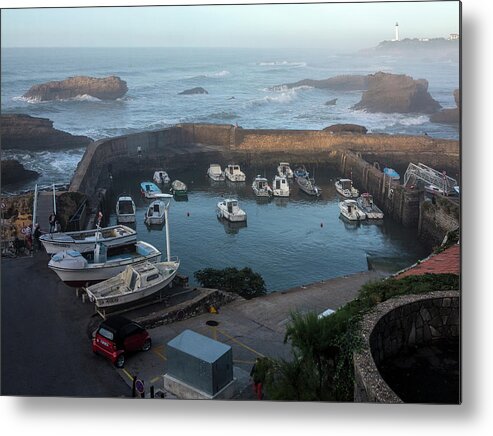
(125,218)
(234,218)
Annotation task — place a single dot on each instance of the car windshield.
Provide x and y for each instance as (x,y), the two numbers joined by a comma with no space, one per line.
(106,333)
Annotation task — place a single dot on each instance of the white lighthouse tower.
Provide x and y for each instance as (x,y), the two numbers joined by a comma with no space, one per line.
(396,32)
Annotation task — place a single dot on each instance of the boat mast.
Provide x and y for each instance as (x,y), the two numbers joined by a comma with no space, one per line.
(167,231)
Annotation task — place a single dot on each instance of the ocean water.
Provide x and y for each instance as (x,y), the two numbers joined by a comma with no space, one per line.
(240,84)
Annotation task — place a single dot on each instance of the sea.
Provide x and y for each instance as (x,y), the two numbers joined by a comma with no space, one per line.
(289,242)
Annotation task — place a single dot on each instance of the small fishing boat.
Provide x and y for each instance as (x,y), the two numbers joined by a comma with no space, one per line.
(366,204)
(125,209)
(234,173)
(301,172)
(284,170)
(135,283)
(80,269)
(308,186)
(261,187)
(346,189)
(155,213)
(150,190)
(85,240)
(433,189)
(161,177)
(280,187)
(178,188)
(350,210)
(216,173)
(393,174)
(229,210)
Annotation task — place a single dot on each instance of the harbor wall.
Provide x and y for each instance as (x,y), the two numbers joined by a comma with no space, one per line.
(437,218)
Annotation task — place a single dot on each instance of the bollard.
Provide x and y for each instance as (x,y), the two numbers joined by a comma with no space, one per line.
(152,391)
(133,386)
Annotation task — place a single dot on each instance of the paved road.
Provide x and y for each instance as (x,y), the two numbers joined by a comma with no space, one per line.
(45,350)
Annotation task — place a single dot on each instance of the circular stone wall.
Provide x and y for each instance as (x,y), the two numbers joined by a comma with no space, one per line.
(397,327)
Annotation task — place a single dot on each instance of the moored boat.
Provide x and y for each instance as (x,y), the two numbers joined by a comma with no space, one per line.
(85,240)
(346,189)
(284,170)
(280,187)
(161,177)
(301,172)
(308,186)
(229,209)
(150,190)
(216,173)
(79,269)
(261,187)
(178,188)
(155,213)
(350,210)
(135,283)
(366,204)
(393,174)
(234,173)
(125,209)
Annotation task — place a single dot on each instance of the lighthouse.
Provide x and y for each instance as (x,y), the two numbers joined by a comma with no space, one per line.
(396,32)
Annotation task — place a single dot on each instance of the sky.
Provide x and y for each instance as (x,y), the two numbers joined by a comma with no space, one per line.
(328,25)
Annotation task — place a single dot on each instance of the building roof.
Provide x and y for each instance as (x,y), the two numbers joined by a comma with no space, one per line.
(446,262)
(199,346)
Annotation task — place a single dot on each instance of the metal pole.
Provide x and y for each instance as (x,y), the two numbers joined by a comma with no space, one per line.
(35,207)
(54,198)
(167,232)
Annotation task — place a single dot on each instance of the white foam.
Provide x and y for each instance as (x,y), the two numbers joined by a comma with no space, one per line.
(82,97)
(281,64)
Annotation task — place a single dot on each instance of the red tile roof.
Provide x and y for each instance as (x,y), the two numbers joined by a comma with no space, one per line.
(448,261)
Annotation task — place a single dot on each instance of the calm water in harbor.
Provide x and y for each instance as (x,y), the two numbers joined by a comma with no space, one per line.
(290,242)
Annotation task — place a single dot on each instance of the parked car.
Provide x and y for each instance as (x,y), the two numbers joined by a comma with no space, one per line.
(118,336)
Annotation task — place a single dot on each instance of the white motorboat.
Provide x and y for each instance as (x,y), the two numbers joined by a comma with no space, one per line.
(229,209)
(366,204)
(346,189)
(350,210)
(280,187)
(216,173)
(161,177)
(125,209)
(155,213)
(85,240)
(284,170)
(261,187)
(308,186)
(234,173)
(80,269)
(150,190)
(135,283)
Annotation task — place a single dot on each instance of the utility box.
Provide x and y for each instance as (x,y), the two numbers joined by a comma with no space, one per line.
(200,362)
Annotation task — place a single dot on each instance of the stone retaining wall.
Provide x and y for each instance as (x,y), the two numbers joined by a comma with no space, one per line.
(393,326)
(437,219)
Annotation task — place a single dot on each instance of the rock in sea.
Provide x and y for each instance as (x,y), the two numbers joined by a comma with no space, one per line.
(197,90)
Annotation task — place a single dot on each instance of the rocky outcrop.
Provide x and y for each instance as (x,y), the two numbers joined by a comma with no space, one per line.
(448,116)
(346,128)
(21,131)
(399,93)
(337,83)
(107,88)
(197,90)
(14,172)
(331,102)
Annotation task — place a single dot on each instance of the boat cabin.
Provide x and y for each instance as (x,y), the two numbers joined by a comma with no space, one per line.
(346,183)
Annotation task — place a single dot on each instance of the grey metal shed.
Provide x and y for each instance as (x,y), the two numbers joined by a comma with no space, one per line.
(199,361)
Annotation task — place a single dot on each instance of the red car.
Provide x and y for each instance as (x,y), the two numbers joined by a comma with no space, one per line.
(117,336)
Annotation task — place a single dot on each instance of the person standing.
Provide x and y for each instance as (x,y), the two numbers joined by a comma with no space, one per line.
(52,220)
(37,234)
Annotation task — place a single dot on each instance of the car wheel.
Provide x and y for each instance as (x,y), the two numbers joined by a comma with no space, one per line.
(147,345)
(120,361)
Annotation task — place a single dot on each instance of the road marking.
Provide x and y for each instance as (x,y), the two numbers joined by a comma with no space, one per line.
(128,374)
(240,343)
(159,354)
(155,379)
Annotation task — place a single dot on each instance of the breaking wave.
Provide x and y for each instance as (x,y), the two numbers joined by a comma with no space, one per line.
(34,100)
(281,64)
(214,75)
(223,116)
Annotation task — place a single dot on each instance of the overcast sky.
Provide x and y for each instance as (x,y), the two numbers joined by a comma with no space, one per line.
(342,26)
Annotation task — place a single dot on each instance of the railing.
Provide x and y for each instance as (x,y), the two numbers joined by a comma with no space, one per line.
(73,223)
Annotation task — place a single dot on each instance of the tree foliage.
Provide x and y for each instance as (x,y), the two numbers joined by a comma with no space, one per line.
(244,282)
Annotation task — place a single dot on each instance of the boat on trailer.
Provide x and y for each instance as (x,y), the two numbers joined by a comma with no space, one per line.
(85,240)
(346,189)
(280,187)
(350,210)
(81,269)
(366,204)
(125,209)
(136,282)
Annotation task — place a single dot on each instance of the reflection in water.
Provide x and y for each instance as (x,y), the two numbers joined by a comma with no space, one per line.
(289,241)
(232,228)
